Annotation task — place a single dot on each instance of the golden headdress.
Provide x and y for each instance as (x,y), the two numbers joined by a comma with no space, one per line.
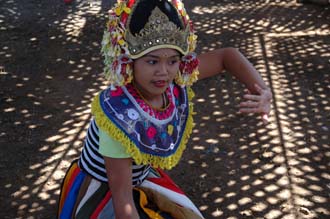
(137,27)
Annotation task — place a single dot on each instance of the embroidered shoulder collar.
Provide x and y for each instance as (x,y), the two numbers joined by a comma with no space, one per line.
(158,141)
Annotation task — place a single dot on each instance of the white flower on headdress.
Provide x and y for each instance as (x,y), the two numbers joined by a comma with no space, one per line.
(120,70)
(121,62)
(113,41)
(117,63)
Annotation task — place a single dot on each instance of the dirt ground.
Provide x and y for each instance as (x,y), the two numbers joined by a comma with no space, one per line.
(235,167)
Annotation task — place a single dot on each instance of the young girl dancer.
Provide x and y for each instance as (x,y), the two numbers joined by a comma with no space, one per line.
(142,121)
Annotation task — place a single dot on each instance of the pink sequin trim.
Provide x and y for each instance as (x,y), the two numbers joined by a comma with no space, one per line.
(161,115)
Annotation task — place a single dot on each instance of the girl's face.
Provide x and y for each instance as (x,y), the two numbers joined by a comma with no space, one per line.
(155,71)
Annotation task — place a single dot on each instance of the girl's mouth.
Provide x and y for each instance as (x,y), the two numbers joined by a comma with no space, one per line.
(160,84)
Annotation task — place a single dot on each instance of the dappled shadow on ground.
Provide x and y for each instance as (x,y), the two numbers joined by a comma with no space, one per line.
(234,167)
(50,71)
(244,169)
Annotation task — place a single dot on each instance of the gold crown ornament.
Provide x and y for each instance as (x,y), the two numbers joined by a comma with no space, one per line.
(162,29)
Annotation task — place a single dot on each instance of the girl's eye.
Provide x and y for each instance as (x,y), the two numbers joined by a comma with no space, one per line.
(152,62)
(174,61)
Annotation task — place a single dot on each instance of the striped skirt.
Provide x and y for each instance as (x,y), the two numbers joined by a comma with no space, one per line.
(158,197)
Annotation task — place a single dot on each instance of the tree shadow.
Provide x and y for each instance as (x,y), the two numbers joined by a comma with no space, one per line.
(242,168)
(50,70)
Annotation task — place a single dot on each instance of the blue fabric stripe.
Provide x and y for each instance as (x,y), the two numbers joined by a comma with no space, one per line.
(70,201)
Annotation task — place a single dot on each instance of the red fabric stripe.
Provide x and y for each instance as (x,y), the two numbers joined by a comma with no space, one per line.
(101,205)
(71,180)
(166,182)
(67,183)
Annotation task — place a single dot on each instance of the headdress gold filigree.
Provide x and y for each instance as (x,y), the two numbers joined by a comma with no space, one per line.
(120,46)
(159,32)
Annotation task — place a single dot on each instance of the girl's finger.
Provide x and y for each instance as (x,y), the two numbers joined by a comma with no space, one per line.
(258,88)
(249,104)
(252,97)
(248,110)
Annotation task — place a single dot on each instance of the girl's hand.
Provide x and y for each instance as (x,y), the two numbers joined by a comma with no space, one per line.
(257,103)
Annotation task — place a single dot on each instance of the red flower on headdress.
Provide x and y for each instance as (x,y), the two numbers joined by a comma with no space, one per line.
(124,59)
(191,25)
(189,63)
(121,64)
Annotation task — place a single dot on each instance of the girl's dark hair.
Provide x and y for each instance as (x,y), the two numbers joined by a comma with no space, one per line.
(143,11)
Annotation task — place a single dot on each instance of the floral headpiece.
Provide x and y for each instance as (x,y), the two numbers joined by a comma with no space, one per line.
(120,46)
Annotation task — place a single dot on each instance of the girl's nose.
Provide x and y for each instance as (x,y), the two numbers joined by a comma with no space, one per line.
(163,68)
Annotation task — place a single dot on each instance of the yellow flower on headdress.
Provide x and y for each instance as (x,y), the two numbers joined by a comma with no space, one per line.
(192,40)
(182,9)
(121,7)
(113,22)
(121,42)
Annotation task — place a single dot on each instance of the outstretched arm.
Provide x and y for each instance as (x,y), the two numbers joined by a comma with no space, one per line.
(258,97)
